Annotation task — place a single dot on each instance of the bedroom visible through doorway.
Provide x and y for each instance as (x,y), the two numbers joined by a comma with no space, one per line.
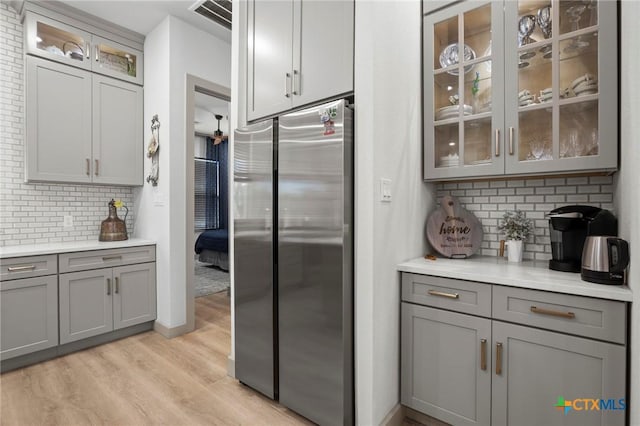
(211,197)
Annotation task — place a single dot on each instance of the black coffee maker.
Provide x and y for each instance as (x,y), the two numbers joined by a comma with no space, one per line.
(569,226)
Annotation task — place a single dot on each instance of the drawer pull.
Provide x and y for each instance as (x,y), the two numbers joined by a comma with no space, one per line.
(107,258)
(499,359)
(497,142)
(117,285)
(21,268)
(551,312)
(483,354)
(443,294)
(108,286)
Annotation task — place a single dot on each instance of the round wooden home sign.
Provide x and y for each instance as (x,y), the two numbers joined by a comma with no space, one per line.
(453,231)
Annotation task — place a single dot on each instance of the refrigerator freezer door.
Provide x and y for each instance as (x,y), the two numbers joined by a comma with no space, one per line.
(253,256)
(315,278)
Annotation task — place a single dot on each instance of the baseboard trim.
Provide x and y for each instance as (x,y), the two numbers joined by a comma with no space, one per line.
(422,418)
(67,348)
(231,367)
(171,332)
(394,417)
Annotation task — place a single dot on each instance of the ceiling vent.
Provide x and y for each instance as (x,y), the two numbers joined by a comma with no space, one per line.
(219,11)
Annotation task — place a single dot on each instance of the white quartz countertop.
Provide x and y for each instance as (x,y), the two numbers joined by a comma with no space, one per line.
(527,274)
(68,247)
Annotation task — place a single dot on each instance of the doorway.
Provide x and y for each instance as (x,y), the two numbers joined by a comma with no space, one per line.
(207,188)
(211,195)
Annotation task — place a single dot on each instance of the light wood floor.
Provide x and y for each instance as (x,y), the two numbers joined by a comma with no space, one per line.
(143,380)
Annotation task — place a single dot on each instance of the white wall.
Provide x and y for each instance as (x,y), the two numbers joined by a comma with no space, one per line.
(628,181)
(172,50)
(389,145)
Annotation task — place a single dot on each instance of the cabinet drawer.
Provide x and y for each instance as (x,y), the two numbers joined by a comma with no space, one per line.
(82,261)
(457,295)
(583,316)
(27,267)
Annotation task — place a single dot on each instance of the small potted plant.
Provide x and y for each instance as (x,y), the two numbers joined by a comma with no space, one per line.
(516,228)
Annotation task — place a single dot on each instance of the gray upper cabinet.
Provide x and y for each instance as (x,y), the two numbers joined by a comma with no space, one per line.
(534,92)
(463,108)
(81,127)
(58,130)
(68,44)
(117,132)
(292,59)
(429,6)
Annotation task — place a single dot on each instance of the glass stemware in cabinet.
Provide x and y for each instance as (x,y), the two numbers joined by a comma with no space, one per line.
(447,147)
(477,141)
(535,135)
(577,15)
(578,131)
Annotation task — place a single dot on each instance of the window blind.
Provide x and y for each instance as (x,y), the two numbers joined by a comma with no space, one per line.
(207,194)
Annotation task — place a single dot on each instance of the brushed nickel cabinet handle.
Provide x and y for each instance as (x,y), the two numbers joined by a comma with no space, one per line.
(97,53)
(296,82)
(497,142)
(287,82)
(97,167)
(511,130)
(21,268)
(115,257)
(499,359)
(108,286)
(553,313)
(443,294)
(88,167)
(117,285)
(87,48)
(483,354)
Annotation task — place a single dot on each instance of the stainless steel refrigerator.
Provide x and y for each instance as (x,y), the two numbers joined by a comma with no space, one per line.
(293,261)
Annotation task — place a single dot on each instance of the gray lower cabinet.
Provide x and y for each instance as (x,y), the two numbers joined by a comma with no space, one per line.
(98,301)
(478,369)
(446,359)
(537,367)
(29,315)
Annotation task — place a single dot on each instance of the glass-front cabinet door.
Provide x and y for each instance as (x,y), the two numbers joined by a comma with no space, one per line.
(117,60)
(56,41)
(561,76)
(463,91)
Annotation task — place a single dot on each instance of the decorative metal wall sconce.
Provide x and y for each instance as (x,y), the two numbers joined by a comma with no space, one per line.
(153,149)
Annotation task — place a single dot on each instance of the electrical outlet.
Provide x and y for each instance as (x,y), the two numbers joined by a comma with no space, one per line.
(68,222)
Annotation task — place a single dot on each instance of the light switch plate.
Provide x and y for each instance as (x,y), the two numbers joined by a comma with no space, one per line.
(385,190)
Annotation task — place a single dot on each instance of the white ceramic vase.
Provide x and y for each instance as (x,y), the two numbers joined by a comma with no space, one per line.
(514,250)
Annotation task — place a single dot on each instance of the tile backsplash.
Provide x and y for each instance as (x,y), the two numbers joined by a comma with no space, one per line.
(34,213)
(488,200)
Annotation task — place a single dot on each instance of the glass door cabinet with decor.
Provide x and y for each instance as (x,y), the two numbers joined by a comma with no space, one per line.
(550,107)
(57,41)
(463,91)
